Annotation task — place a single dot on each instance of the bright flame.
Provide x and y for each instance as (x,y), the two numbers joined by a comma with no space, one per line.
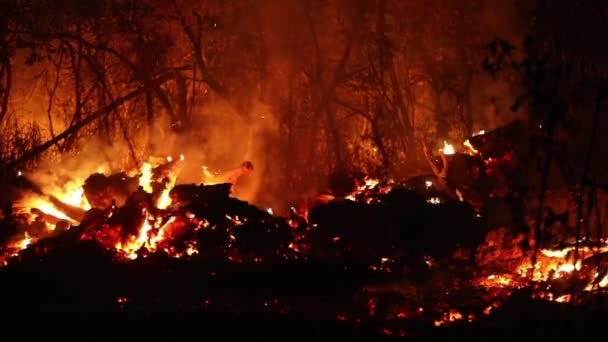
(47,208)
(434,200)
(74,196)
(448,148)
(25,242)
(467,144)
(145,180)
(130,248)
(164,201)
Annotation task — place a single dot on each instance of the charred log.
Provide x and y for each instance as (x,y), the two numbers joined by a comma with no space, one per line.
(502,140)
(101,190)
(402,222)
(199,195)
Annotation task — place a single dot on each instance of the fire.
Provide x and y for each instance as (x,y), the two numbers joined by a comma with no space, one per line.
(164,200)
(25,242)
(158,225)
(434,200)
(145,180)
(449,317)
(46,207)
(131,247)
(447,148)
(71,193)
(498,280)
(468,145)
(552,265)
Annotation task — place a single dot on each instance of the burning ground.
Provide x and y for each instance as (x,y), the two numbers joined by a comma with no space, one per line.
(373,257)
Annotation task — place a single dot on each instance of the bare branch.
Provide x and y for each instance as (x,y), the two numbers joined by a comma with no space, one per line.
(86,121)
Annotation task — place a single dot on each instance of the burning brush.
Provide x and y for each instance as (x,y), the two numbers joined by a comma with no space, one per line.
(412,239)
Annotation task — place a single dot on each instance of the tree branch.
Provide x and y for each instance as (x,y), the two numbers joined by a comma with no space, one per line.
(86,121)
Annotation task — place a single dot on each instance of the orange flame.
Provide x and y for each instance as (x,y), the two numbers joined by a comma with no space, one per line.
(447,148)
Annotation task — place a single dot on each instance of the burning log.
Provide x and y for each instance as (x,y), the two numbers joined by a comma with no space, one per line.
(400,221)
(501,141)
(71,211)
(342,184)
(448,177)
(50,219)
(199,195)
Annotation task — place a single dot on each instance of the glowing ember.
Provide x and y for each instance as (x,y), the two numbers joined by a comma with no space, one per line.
(157,226)
(449,317)
(434,200)
(499,280)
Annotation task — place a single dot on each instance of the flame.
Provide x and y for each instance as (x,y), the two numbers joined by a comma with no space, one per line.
(451,316)
(552,264)
(25,242)
(131,247)
(468,145)
(145,180)
(447,148)
(157,228)
(164,201)
(74,195)
(434,200)
(46,207)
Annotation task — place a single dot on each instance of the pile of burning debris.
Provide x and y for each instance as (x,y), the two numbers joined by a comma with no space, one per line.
(407,256)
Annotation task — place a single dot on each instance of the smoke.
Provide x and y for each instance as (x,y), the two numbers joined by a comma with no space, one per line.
(269,69)
(61,172)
